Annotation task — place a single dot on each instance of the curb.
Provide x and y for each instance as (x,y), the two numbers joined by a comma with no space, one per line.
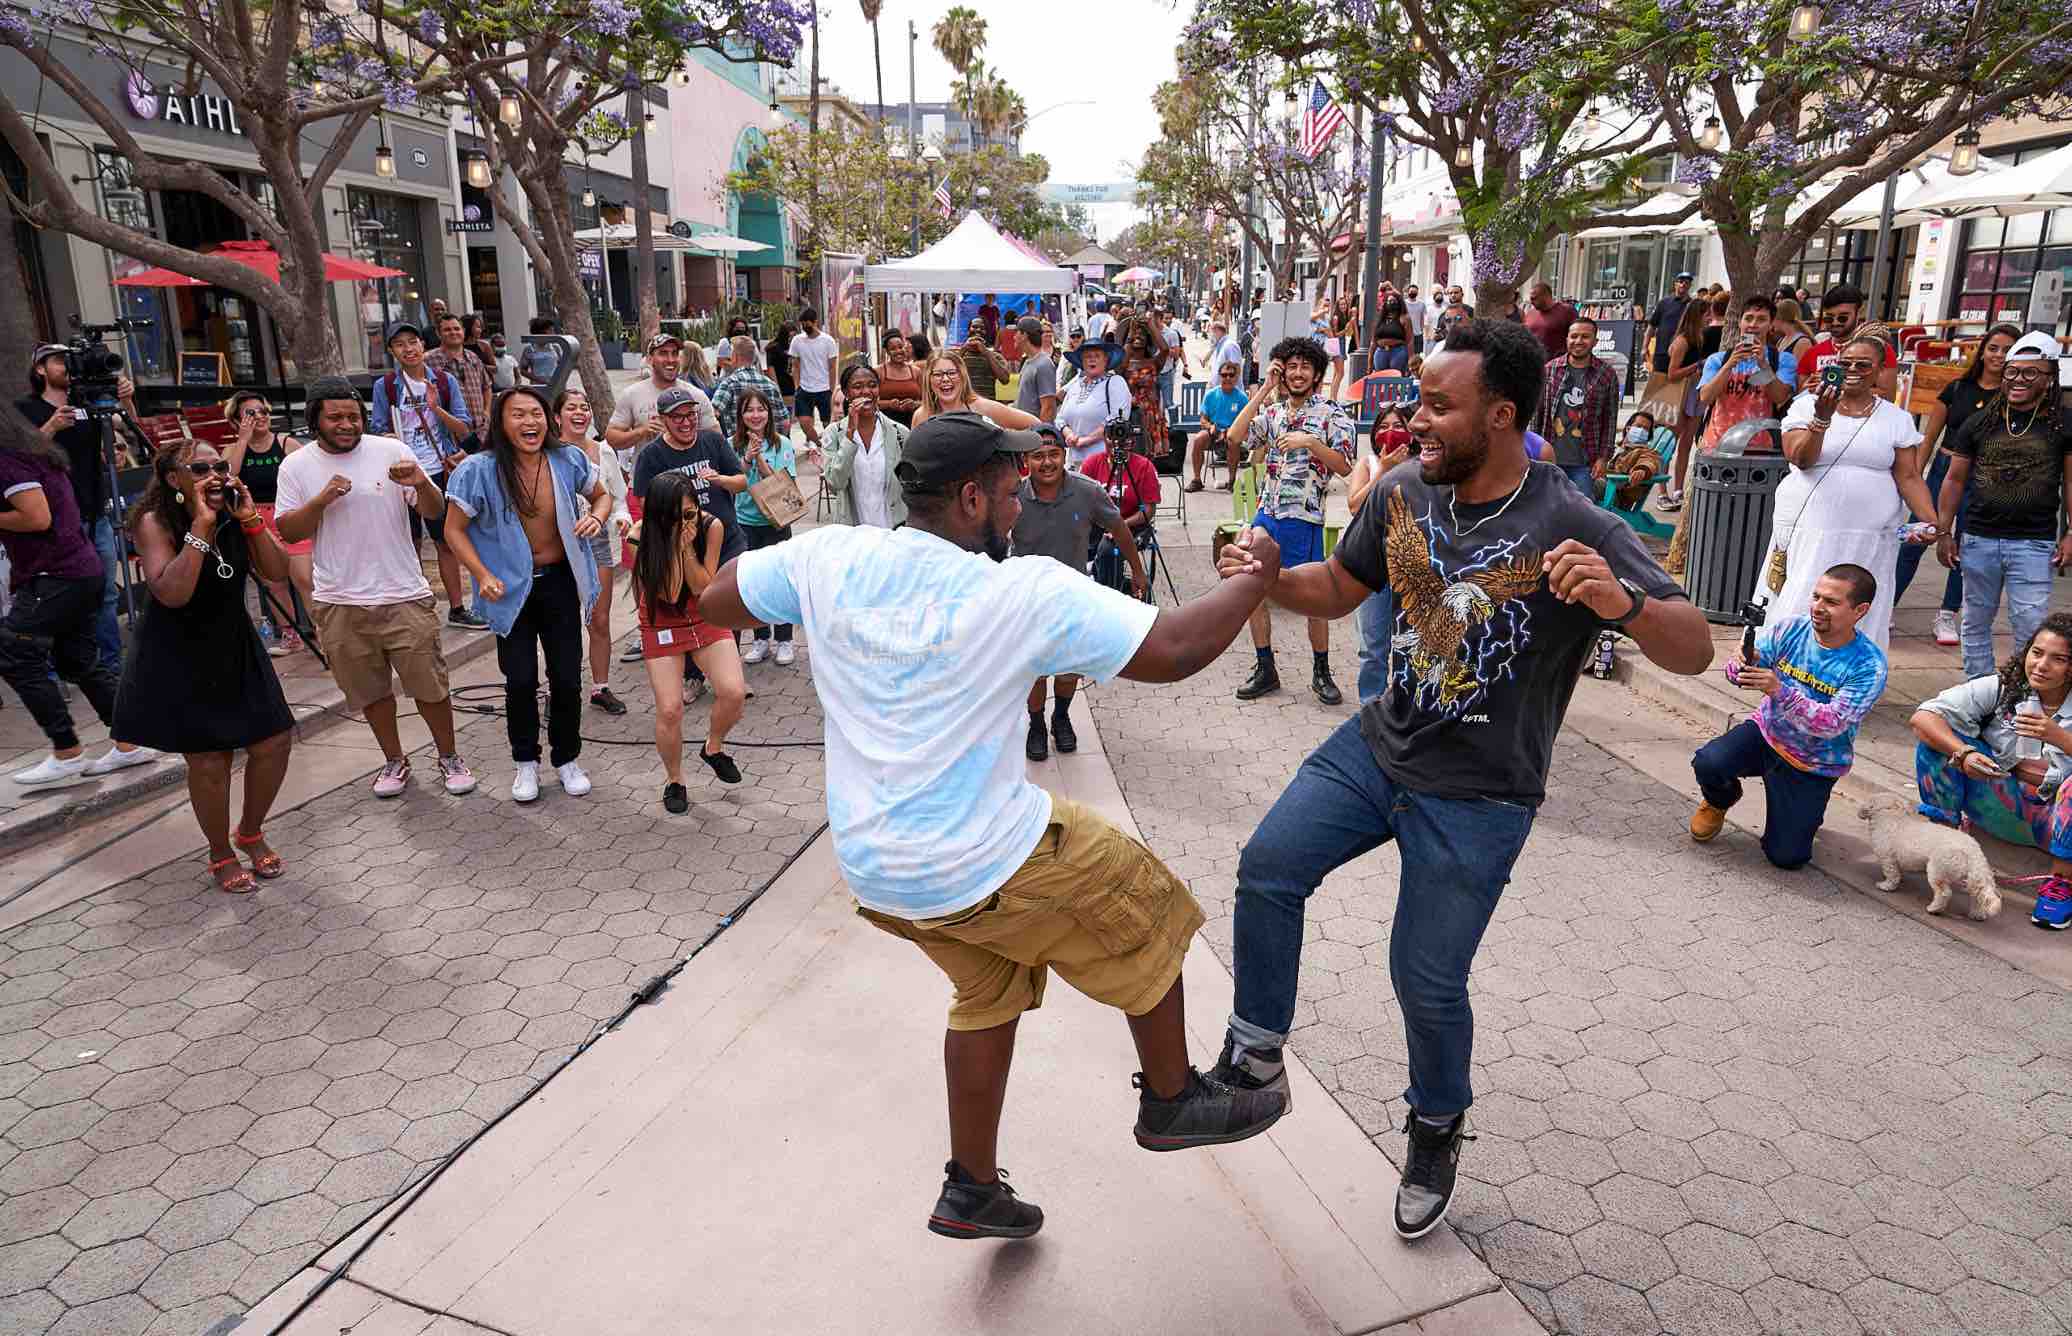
(92,802)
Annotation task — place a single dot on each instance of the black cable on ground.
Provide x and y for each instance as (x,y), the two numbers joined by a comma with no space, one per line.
(462,698)
(409,1194)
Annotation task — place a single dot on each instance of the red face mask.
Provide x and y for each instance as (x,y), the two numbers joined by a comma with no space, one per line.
(1385,441)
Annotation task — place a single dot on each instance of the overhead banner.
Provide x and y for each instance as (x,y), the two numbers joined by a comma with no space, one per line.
(1114,192)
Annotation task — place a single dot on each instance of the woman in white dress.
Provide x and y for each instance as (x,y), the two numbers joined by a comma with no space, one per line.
(1855,477)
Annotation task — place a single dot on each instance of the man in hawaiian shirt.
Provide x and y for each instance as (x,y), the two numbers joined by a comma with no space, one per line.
(1299,440)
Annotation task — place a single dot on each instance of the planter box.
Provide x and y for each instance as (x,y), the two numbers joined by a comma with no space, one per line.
(614,355)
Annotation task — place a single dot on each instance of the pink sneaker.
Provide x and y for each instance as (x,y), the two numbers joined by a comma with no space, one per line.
(393,779)
(459,779)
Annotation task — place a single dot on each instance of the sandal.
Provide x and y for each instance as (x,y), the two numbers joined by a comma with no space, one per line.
(267,865)
(239,883)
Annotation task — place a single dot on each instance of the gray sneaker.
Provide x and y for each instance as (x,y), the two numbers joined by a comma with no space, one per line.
(1204,1114)
(1247,1069)
(1428,1175)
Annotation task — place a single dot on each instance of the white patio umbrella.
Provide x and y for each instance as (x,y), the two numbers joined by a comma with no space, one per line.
(720,243)
(1663,205)
(1915,183)
(2029,187)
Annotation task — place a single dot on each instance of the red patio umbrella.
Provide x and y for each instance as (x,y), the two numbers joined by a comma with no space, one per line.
(261,256)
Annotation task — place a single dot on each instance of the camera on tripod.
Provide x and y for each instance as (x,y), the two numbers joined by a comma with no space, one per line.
(94,369)
(1125,432)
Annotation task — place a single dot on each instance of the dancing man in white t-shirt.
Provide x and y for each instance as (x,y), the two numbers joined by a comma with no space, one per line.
(923,651)
(373,609)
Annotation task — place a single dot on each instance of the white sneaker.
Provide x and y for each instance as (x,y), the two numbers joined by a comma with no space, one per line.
(115,759)
(51,770)
(1946,628)
(785,654)
(525,785)
(574,782)
(757,651)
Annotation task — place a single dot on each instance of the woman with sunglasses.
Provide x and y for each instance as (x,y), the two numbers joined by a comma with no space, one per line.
(196,680)
(678,554)
(1854,481)
(948,389)
(255,456)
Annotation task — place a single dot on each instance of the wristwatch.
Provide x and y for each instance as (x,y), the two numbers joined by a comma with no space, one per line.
(1640,600)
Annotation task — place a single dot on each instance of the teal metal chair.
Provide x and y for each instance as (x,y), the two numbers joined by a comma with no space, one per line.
(1637,517)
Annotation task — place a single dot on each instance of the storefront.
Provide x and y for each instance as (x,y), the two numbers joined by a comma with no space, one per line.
(1999,258)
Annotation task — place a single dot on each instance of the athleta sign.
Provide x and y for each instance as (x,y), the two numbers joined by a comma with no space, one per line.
(205,111)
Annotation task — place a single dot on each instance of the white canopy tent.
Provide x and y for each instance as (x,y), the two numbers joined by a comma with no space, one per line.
(972,258)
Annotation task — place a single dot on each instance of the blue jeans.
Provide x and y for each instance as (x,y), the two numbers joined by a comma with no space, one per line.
(1797,800)
(1165,385)
(1376,618)
(1910,554)
(2021,566)
(1457,856)
(1580,476)
(1391,359)
(107,631)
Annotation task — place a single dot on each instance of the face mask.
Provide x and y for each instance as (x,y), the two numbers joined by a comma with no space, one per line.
(1391,438)
(1637,435)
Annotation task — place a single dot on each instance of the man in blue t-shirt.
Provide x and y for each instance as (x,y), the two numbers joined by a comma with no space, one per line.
(923,651)
(1219,408)
(1818,679)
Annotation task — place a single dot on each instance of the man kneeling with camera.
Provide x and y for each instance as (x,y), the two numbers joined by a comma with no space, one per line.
(1060,514)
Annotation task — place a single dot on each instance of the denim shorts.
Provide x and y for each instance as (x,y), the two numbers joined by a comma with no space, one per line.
(1301,542)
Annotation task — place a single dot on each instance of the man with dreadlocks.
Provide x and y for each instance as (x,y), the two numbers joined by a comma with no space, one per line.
(2015,454)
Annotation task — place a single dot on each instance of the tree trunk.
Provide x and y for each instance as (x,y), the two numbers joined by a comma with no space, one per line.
(17,324)
(646,303)
(550,237)
(813,133)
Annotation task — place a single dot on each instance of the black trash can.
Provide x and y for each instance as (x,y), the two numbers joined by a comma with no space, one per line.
(1732,498)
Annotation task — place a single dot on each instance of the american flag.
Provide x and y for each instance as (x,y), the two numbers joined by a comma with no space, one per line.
(942,198)
(1321,119)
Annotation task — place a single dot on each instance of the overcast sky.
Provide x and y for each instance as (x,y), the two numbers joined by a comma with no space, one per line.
(1050,54)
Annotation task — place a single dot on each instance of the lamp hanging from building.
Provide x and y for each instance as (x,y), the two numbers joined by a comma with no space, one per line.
(509,110)
(589,198)
(477,163)
(1805,23)
(1464,156)
(1417,43)
(776,112)
(1713,133)
(1964,156)
(683,77)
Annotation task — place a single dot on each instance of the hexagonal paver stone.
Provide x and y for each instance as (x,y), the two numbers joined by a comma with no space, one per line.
(39,1212)
(1883,1306)
(1623,1254)
(125,1215)
(1646,1205)
(1906,1258)
(32,1262)
(123,1315)
(1782,1305)
(195,1274)
(1691,1307)
(103,1272)
(1530,1254)
(1812,1258)
(199,1221)
(285,1175)
(1713,1254)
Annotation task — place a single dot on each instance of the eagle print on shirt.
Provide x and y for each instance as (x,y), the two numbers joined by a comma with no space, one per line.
(1456,631)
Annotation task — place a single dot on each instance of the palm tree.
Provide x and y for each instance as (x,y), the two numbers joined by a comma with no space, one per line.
(871,10)
(959,35)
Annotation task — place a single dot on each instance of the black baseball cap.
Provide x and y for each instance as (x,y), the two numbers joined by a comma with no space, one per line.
(675,397)
(952,446)
(402,327)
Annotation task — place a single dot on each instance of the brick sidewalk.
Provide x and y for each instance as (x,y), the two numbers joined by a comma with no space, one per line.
(198,1091)
(1711,1096)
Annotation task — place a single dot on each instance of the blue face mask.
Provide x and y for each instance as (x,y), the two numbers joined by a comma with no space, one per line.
(1637,435)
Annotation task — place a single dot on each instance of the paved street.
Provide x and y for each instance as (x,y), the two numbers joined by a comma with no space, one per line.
(199,1091)
(1710,1097)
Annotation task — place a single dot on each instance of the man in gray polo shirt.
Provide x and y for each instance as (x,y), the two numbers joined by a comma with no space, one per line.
(1038,395)
(1060,513)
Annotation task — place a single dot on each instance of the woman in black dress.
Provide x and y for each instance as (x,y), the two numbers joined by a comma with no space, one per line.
(197,681)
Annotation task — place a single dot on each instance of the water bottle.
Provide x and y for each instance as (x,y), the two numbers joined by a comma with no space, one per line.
(2028,748)
(270,638)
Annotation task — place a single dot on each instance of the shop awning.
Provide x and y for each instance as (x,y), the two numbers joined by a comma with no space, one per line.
(261,256)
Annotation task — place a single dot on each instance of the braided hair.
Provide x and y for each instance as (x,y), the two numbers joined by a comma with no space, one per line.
(2014,674)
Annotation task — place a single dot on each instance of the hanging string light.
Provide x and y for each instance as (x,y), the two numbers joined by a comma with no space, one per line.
(1805,23)
(1713,134)
(1964,156)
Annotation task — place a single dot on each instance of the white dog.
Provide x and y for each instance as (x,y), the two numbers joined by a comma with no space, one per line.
(1907,842)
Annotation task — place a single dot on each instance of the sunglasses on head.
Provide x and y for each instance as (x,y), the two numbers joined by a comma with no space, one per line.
(203,468)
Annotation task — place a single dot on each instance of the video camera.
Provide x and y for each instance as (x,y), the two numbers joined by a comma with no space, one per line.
(1125,432)
(94,369)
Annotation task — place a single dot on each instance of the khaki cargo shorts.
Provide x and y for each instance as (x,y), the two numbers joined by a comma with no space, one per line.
(364,644)
(1090,903)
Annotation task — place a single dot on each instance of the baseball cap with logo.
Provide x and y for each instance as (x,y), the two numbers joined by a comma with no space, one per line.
(44,350)
(662,339)
(952,446)
(675,397)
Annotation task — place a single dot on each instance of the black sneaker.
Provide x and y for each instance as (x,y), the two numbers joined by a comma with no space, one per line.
(1038,748)
(1265,680)
(1204,1114)
(1326,689)
(972,1210)
(1062,733)
(632,652)
(604,700)
(1264,1069)
(466,620)
(675,800)
(723,766)
(1427,1187)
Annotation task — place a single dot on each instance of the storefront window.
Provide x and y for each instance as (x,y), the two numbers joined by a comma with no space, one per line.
(150,351)
(1841,255)
(387,230)
(2001,257)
